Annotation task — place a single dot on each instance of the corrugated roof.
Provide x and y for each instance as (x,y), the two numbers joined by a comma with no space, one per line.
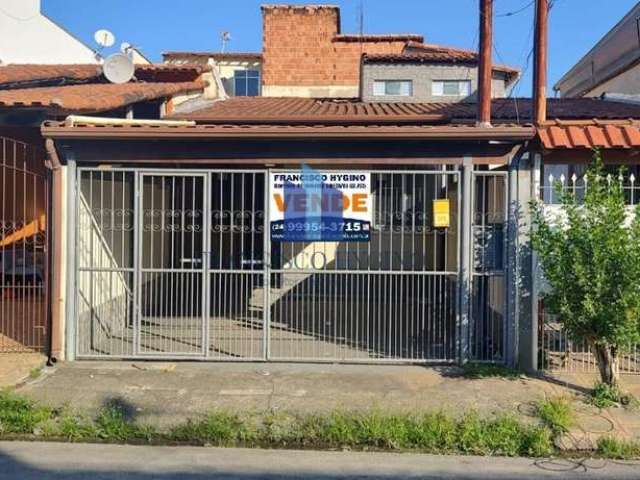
(93,97)
(589,135)
(297,111)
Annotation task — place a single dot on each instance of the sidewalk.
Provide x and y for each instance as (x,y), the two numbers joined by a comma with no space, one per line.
(164,394)
(34,461)
(16,367)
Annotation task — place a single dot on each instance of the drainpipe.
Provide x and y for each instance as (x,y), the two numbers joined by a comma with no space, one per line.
(55,228)
(485,66)
(540,48)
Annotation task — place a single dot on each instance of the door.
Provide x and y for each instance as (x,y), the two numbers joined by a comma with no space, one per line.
(171,250)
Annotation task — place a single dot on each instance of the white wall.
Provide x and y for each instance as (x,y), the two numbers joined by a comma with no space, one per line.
(27,36)
(627,82)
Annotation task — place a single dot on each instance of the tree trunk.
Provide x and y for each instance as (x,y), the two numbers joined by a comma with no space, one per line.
(607,358)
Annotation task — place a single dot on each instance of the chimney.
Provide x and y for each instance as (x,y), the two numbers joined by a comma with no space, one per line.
(540,62)
(485,66)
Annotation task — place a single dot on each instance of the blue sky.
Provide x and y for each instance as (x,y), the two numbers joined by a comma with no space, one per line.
(160,25)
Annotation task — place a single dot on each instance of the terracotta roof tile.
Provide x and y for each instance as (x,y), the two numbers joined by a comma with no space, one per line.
(610,134)
(436,56)
(385,37)
(32,75)
(93,97)
(295,111)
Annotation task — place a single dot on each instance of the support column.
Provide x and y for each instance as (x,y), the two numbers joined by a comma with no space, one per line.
(465,260)
(525,300)
(70,265)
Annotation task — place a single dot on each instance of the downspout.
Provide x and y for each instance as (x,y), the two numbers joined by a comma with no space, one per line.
(54,287)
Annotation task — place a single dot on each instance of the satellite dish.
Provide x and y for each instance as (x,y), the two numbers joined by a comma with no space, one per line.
(104,38)
(118,68)
(125,47)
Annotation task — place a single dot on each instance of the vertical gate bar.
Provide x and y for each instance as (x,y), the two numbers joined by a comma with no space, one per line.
(206,259)
(136,222)
(266,266)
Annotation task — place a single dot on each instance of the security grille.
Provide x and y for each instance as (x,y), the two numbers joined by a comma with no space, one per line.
(179,264)
(24,203)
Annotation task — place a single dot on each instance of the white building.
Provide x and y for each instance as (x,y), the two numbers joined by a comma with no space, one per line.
(28,36)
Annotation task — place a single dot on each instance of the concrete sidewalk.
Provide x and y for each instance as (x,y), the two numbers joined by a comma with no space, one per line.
(35,461)
(164,394)
(17,367)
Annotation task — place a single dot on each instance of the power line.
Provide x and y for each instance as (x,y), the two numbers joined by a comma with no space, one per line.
(517,11)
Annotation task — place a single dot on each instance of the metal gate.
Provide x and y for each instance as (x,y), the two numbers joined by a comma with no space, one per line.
(488,331)
(179,264)
(24,203)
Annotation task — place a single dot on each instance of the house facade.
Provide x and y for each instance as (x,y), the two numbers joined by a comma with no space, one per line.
(611,67)
(28,36)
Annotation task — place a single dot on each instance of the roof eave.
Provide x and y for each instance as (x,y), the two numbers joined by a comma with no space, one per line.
(437,133)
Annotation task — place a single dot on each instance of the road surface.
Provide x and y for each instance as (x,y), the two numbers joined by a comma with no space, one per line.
(56,461)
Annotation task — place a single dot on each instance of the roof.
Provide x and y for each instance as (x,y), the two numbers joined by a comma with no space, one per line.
(312,111)
(436,56)
(432,132)
(251,56)
(93,97)
(81,88)
(587,135)
(29,75)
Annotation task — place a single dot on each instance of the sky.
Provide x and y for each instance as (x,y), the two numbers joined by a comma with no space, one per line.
(156,26)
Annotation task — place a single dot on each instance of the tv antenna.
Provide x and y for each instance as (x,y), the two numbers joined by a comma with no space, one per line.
(118,68)
(226,38)
(104,38)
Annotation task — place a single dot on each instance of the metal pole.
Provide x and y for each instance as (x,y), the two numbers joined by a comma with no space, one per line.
(465,257)
(485,64)
(540,62)
(71,295)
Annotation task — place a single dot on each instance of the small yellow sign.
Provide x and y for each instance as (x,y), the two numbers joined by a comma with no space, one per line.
(441,216)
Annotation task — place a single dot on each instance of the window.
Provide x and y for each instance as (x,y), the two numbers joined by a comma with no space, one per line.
(451,88)
(246,83)
(403,88)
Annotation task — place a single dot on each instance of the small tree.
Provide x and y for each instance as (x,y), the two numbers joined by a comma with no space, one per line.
(590,255)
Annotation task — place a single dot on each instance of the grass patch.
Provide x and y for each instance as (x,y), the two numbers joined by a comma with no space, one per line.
(35,373)
(610,447)
(604,395)
(556,413)
(19,415)
(475,371)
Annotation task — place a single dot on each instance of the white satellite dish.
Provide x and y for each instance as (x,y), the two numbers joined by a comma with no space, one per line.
(118,68)
(125,47)
(104,38)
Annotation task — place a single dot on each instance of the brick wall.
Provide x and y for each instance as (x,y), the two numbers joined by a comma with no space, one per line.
(302,47)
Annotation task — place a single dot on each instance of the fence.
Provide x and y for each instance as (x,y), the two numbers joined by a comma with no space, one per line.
(24,201)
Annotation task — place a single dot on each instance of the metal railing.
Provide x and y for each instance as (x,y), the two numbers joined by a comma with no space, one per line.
(24,204)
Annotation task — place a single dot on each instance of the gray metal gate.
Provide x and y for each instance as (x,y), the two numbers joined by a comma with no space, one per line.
(179,264)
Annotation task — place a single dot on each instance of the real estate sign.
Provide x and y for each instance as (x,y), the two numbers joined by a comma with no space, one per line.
(311,205)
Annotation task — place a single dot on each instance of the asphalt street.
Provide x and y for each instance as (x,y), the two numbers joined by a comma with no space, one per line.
(56,461)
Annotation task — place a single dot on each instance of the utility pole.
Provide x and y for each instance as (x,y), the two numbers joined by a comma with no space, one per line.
(540,48)
(485,66)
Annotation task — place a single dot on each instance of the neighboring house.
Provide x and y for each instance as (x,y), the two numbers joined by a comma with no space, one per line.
(306,55)
(611,67)
(28,36)
(429,73)
(239,73)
